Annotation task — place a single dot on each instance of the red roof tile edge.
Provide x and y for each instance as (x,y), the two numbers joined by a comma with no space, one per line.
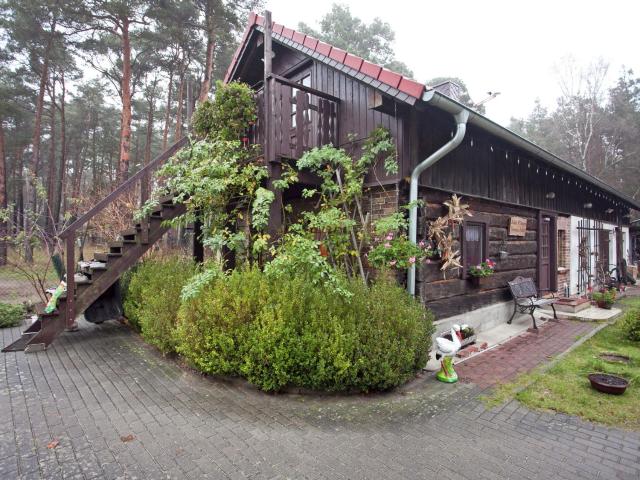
(395,80)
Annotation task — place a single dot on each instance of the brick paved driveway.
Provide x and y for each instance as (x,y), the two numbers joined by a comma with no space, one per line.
(523,353)
(102,385)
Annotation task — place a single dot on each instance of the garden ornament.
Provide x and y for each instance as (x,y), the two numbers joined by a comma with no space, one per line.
(447,350)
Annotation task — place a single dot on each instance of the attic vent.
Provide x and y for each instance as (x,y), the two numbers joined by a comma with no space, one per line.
(450,89)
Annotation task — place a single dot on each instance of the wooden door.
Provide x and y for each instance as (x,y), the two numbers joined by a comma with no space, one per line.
(545,255)
(547,252)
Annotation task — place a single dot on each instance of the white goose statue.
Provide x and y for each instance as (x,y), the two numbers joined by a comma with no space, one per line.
(447,350)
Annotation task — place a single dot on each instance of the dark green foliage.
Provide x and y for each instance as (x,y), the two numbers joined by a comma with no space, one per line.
(291,332)
(229,117)
(631,324)
(11,315)
(153,298)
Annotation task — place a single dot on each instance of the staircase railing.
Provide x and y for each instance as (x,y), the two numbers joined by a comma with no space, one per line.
(69,233)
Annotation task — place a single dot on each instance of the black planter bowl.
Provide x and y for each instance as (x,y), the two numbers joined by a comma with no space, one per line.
(605,383)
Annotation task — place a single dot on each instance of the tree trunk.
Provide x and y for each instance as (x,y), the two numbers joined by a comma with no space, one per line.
(178,132)
(3,196)
(63,154)
(144,186)
(51,174)
(30,207)
(125,93)
(167,113)
(208,69)
(18,188)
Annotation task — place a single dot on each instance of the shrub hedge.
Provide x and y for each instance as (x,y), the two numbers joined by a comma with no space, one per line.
(631,324)
(283,332)
(152,298)
(11,315)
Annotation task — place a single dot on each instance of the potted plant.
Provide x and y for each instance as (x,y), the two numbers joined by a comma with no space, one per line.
(604,298)
(484,269)
(467,333)
(396,252)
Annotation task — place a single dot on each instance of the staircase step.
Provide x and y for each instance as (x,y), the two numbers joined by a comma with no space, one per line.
(20,344)
(166,199)
(101,256)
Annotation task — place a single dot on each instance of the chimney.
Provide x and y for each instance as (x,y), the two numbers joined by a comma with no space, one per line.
(449,88)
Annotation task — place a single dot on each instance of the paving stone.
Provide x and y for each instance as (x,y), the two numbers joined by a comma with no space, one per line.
(92,387)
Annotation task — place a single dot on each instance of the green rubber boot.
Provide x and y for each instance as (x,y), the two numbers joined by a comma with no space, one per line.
(447,374)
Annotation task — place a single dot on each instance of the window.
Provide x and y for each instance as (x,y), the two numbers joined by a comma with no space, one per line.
(305,82)
(563,250)
(474,244)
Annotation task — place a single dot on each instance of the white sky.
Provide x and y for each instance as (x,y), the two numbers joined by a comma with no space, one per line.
(511,47)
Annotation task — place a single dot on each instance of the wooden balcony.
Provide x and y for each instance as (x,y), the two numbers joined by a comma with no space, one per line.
(301,118)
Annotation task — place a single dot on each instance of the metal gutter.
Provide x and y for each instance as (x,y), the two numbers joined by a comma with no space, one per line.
(437,99)
(461,116)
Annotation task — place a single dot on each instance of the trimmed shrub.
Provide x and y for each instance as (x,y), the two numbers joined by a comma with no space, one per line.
(153,298)
(213,325)
(631,324)
(290,332)
(11,315)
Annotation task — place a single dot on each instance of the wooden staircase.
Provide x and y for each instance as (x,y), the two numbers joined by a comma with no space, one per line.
(106,267)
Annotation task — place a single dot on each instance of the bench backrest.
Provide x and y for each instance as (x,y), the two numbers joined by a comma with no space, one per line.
(523,287)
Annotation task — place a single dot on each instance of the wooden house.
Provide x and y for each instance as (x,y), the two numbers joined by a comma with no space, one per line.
(533,213)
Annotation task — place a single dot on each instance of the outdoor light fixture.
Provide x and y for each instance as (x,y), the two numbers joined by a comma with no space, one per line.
(588,205)
(551,195)
(609,210)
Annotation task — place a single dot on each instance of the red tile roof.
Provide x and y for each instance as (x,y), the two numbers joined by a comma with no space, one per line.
(404,84)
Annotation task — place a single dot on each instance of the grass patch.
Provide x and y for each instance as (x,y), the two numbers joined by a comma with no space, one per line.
(565,387)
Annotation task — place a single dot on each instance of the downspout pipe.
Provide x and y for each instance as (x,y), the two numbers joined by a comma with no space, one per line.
(461,116)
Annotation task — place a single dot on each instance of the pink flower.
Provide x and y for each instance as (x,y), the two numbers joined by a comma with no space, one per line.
(412,260)
(392,262)
(389,236)
(421,244)
(387,245)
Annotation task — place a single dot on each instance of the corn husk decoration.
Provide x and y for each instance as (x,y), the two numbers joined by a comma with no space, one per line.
(441,232)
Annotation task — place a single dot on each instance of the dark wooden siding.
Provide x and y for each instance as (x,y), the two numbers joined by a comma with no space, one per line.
(487,167)
(357,120)
(454,295)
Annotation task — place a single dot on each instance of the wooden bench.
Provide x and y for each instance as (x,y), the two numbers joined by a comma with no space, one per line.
(526,298)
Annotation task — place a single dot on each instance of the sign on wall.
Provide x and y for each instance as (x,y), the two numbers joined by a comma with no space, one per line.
(517,226)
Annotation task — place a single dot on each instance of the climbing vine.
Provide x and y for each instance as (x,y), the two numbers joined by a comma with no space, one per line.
(220,178)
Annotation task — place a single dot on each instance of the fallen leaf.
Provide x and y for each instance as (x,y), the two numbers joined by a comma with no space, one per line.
(53,444)
(128,438)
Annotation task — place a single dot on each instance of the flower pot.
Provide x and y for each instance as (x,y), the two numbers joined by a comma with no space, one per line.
(603,304)
(608,383)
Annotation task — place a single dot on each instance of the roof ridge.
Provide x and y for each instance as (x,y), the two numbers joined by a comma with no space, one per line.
(369,69)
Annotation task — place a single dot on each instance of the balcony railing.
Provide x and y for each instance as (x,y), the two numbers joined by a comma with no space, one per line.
(303,118)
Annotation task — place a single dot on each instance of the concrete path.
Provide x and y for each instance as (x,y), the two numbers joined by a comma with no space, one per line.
(101,404)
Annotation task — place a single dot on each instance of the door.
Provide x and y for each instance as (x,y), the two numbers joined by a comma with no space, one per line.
(547,243)
(603,251)
(545,255)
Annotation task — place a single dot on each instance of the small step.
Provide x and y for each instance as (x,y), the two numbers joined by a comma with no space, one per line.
(101,257)
(20,344)
(166,199)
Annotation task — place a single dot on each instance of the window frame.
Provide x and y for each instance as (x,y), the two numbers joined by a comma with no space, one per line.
(484,252)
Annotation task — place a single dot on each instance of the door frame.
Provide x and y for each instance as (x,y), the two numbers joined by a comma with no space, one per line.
(553,249)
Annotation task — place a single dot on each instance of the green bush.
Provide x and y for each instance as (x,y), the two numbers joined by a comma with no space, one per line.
(11,315)
(631,324)
(289,332)
(153,298)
